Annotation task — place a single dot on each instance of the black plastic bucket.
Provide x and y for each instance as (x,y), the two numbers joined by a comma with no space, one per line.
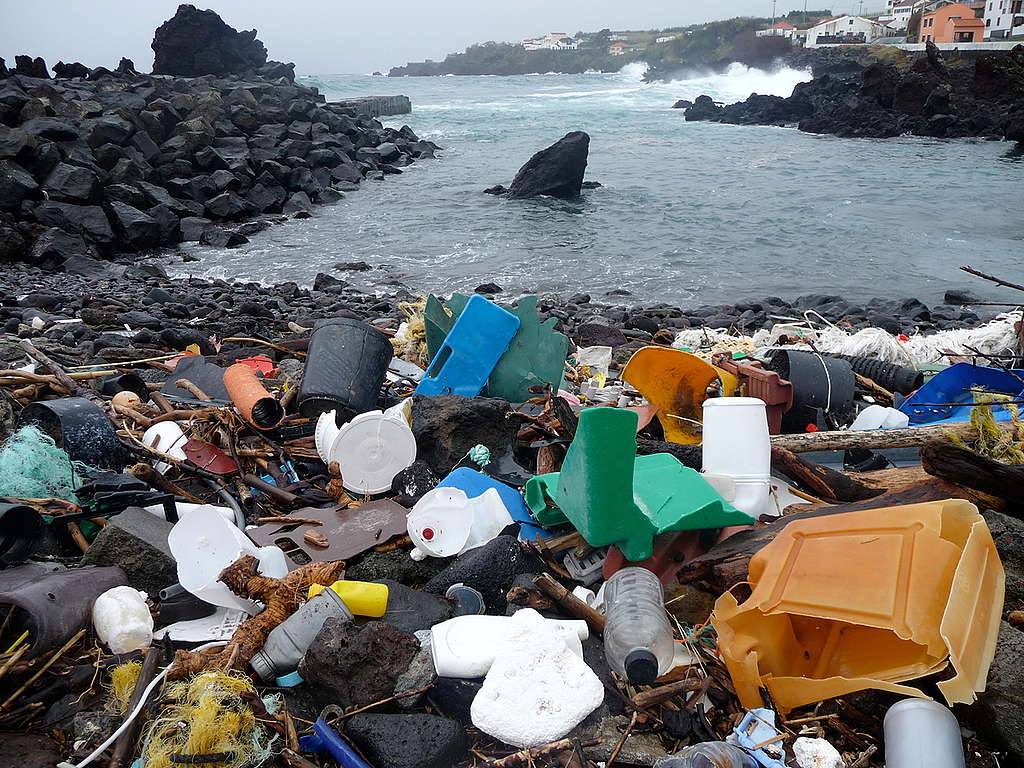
(345,366)
(125,382)
(80,428)
(823,389)
(21,530)
(895,378)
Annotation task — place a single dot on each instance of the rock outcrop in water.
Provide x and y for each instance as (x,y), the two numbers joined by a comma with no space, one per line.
(981,96)
(554,172)
(118,162)
(193,43)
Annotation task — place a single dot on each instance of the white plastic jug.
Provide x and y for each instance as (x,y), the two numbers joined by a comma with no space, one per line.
(168,438)
(880,417)
(122,620)
(737,445)
(203,543)
(465,646)
(446,522)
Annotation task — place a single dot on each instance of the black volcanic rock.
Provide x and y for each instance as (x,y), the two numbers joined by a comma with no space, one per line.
(67,71)
(194,43)
(556,171)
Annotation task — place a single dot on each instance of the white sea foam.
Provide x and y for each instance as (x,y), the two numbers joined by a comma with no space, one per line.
(738,82)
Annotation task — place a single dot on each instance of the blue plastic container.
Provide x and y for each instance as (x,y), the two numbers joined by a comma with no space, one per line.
(951,395)
(472,348)
(474,484)
(325,739)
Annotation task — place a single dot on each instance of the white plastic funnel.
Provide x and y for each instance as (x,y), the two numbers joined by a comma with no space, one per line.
(446,522)
(203,544)
(370,450)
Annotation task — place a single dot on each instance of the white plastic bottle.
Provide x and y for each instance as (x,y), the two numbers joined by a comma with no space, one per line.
(637,635)
(922,734)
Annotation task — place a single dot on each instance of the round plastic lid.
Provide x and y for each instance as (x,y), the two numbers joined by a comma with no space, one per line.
(641,667)
(370,450)
(469,600)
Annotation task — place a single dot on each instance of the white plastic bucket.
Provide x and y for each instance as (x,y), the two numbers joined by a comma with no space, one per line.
(737,445)
(325,432)
(446,522)
(203,544)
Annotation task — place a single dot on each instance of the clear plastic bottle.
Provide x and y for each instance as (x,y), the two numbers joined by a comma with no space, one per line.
(288,641)
(637,635)
(709,754)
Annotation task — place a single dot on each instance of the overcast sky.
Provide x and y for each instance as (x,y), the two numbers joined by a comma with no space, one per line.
(342,36)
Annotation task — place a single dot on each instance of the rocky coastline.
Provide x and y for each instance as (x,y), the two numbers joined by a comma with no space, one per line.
(97,162)
(115,312)
(932,95)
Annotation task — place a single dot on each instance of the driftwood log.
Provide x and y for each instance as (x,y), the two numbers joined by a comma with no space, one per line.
(877,439)
(965,467)
(821,481)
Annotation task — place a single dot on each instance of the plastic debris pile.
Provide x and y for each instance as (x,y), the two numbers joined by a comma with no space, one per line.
(465,541)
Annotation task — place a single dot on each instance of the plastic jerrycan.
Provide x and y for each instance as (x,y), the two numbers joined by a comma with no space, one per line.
(471,350)
(466,645)
(288,641)
(363,598)
(737,445)
(637,636)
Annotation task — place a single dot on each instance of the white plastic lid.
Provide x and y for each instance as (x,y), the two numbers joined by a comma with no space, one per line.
(370,450)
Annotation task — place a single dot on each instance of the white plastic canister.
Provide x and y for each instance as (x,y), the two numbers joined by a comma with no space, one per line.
(737,445)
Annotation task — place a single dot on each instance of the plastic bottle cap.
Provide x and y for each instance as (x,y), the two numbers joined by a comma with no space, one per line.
(427,533)
(469,600)
(290,680)
(641,667)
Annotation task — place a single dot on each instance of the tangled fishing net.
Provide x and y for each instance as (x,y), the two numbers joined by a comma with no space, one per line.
(33,467)
(207,716)
(122,683)
(986,344)
(1004,446)
(410,342)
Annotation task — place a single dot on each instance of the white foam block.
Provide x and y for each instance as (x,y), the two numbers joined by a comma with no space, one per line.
(537,690)
(816,753)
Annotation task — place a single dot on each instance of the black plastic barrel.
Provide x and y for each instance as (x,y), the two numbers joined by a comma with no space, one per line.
(895,378)
(80,428)
(823,389)
(345,366)
(21,530)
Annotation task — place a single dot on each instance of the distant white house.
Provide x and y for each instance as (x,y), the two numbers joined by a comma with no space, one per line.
(898,12)
(552,41)
(666,39)
(845,30)
(1004,19)
(782,29)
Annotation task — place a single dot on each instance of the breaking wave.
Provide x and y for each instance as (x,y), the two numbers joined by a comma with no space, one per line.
(738,82)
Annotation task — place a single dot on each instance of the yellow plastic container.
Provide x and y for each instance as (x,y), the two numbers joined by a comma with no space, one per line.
(363,598)
(867,599)
(677,383)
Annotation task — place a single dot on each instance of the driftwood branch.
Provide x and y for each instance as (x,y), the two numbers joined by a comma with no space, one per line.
(821,481)
(992,278)
(878,439)
(527,757)
(571,603)
(965,467)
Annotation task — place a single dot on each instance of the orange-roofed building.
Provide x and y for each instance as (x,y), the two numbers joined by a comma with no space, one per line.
(956,23)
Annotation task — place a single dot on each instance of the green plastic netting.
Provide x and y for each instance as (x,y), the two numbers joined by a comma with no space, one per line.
(33,467)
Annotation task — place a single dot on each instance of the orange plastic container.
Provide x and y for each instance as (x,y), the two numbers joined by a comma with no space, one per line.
(867,600)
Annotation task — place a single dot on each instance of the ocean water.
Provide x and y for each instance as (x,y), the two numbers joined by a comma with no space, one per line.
(689,212)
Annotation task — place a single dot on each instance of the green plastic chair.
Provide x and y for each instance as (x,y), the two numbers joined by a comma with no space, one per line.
(612,496)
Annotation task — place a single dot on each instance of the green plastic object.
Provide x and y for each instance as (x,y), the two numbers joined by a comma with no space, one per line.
(612,496)
(535,357)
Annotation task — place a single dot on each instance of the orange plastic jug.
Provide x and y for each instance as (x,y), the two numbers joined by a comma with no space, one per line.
(867,599)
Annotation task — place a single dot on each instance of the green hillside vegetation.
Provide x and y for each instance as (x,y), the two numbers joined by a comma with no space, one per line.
(713,45)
